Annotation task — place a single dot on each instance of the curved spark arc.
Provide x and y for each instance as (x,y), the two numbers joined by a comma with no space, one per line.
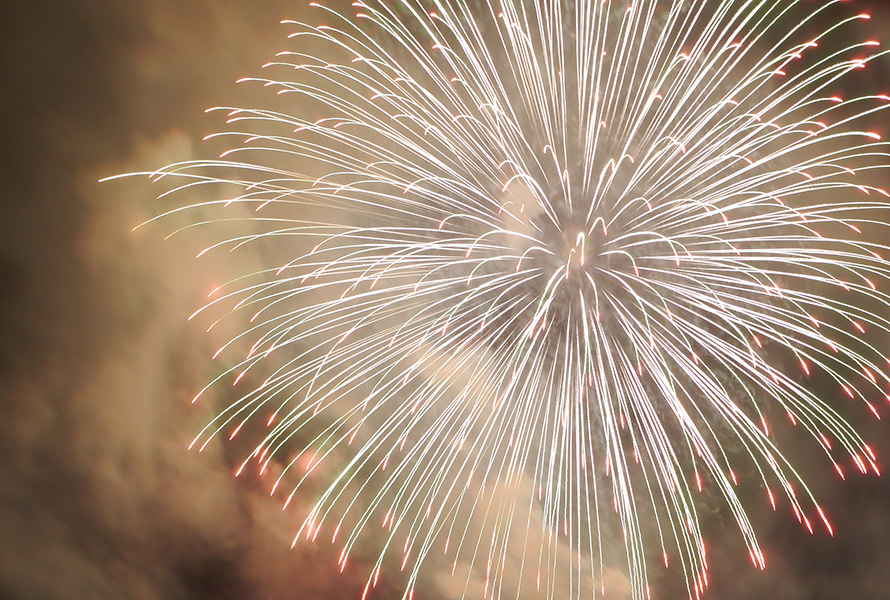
(569,252)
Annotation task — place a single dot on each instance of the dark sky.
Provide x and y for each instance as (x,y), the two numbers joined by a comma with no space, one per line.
(98,496)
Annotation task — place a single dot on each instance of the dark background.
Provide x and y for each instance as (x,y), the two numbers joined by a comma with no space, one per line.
(98,496)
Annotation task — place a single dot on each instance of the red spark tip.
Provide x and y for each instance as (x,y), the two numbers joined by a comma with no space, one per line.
(840,471)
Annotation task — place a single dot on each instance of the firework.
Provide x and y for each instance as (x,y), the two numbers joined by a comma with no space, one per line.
(550,267)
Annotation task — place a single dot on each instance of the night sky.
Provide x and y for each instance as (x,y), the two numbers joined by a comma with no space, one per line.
(99,497)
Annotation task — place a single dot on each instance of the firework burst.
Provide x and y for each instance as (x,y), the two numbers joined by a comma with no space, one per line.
(552,265)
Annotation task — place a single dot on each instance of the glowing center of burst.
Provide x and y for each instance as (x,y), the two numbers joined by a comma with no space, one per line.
(578,252)
(568,283)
